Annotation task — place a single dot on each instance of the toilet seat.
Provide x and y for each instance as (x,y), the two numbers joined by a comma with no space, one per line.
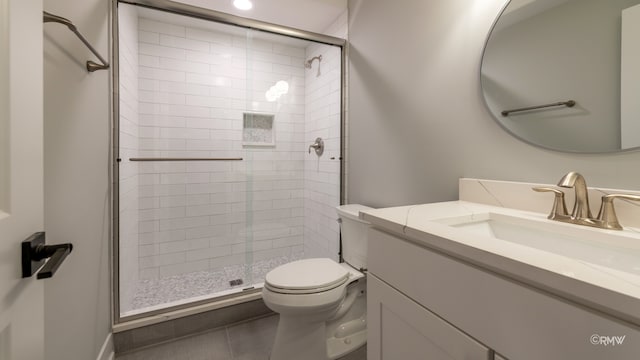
(306,276)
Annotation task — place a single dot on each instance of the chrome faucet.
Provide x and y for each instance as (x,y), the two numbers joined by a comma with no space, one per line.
(581,210)
(581,214)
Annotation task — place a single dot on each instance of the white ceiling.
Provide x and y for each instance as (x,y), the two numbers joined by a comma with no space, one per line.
(310,15)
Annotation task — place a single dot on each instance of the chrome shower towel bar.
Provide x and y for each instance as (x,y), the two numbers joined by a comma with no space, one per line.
(185,159)
(91,65)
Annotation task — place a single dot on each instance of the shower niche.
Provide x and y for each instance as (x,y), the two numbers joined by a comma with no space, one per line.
(257,130)
(214,183)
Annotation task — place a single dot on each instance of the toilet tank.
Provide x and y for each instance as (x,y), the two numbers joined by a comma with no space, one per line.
(353,231)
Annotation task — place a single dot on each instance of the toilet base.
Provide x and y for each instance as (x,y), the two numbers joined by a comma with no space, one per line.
(325,332)
(341,346)
(349,332)
(295,337)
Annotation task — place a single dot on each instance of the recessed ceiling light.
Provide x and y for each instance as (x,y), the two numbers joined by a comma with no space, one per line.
(243,4)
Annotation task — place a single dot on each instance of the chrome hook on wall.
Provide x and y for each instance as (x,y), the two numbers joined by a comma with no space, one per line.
(91,65)
(318,146)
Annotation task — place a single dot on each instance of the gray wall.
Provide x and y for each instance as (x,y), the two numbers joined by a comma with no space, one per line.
(416,114)
(76,123)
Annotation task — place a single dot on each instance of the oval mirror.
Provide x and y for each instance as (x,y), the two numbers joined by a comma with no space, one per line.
(565,74)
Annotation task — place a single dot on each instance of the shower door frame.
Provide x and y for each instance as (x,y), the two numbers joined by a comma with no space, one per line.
(190,308)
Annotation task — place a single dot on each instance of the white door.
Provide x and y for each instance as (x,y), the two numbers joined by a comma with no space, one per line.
(21,176)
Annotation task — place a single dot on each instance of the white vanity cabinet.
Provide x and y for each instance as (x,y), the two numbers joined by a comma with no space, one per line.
(424,304)
(402,329)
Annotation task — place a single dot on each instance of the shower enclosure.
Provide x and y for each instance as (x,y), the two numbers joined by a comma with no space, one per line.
(216,181)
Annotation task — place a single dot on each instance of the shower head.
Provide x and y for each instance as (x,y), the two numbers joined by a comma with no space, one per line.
(308,63)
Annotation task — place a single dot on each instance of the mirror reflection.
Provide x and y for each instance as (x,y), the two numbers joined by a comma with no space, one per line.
(565,74)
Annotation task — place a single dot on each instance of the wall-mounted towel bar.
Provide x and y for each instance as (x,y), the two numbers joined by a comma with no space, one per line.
(91,65)
(569,103)
(185,159)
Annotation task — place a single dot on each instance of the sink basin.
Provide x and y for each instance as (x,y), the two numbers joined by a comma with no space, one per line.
(619,250)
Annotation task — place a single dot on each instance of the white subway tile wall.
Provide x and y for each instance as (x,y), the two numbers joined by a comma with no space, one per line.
(195,85)
(128,174)
(322,174)
(183,94)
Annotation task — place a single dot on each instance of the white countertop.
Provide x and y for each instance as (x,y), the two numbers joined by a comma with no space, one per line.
(612,291)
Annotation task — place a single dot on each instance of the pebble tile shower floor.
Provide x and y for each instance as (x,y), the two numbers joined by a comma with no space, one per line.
(251,340)
(179,287)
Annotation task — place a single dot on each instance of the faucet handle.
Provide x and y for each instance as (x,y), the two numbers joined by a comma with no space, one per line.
(607,215)
(559,208)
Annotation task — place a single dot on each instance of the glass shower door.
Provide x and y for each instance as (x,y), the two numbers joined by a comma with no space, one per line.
(185,221)
(210,190)
(273,141)
(216,182)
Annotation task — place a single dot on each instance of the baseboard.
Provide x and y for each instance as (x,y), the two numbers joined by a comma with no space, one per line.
(126,341)
(107,351)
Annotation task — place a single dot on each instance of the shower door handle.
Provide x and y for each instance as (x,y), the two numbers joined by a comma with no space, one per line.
(318,146)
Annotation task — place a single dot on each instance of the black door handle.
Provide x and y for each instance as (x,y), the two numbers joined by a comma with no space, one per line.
(34,252)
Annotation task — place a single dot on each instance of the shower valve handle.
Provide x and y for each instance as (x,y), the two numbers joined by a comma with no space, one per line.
(318,146)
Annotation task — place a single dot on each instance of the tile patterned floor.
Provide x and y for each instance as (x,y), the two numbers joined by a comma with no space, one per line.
(153,292)
(250,340)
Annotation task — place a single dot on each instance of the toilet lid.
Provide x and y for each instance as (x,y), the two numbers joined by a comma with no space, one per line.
(307,275)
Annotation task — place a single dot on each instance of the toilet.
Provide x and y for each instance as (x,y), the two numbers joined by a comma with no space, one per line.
(322,303)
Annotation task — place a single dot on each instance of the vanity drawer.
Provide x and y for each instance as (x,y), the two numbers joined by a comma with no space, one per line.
(511,318)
